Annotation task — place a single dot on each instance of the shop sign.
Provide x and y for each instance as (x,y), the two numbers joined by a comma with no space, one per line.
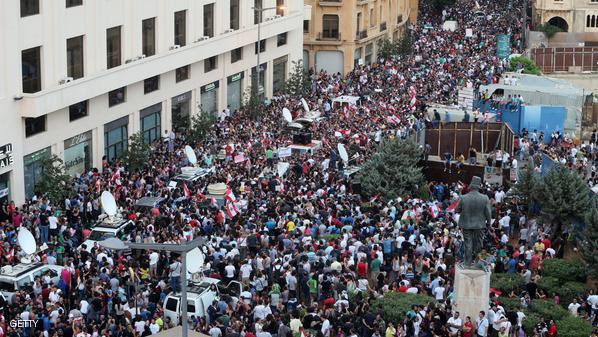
(6,156)
(78,139)
(235,77)
(209,87)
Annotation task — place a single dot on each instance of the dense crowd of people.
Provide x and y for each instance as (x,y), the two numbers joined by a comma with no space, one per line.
(311,254)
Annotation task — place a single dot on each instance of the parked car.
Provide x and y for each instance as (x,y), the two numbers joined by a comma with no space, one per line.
(23,275)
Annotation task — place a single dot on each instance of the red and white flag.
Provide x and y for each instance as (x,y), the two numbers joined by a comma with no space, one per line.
(229,195)
(201,197)
(231,210)
(214,203)
(453,206)
(375,198)
(186,189)
(435,210)
(413,101)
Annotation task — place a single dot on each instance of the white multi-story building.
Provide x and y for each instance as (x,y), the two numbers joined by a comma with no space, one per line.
(80,76)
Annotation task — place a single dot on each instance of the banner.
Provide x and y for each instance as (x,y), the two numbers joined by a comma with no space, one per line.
(284,152)
(239,158)
(503,46)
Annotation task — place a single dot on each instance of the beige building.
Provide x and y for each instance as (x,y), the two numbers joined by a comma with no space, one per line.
(342,33)
(576,16)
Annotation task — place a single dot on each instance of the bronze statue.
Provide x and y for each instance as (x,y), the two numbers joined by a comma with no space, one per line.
(474,209)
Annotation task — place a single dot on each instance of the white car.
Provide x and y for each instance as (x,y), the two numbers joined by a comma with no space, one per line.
(199,298)
(13,278)
(105,230)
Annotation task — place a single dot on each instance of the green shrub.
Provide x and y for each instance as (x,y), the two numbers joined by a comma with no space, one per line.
(505,282)
(548,310)
(394,306)
(571,326)
(548,29)
(530,322)
(509,303)
(570,290)
(565,270)
(549,284)
(529,67)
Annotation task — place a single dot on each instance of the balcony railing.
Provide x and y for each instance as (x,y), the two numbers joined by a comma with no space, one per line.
(330,2)
(329,37)
(383,26)
(361,34)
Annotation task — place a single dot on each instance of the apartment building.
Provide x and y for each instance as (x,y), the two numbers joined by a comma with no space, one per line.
(343,33)
(574,16)
(80,76)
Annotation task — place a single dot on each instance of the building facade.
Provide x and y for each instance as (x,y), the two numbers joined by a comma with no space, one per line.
(574,16)
(343,33)
(80,76)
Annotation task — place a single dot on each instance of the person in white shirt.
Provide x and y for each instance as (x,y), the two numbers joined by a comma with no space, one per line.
(154,258)
(246,272)
(482,325)
(574,307)
(154,327)
(439,292)
(455,324)
(140,326)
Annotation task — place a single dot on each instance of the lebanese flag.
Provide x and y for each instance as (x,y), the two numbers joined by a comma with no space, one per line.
(435,211)
(453,206)
(186,189)
(375,198)
(231,210)
(229,195)
(413,101)
(201,197)
(214,203)
(115,175)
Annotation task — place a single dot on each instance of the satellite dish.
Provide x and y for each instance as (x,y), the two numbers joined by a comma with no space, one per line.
(195,260)
(305,106)
(26,241)
(190,154)
(286,114)
(108,203)
(342,152)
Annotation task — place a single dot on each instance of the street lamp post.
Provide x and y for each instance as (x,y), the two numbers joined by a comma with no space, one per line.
(259,11)
(183,249)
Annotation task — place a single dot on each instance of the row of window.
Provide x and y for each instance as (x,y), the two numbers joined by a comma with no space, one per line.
(592,21)
(31,7)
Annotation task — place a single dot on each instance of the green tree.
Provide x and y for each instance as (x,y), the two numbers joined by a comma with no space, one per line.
(388,48)
(589,242)
(525,63)
(201,125)
(137,152)
(548,29)
(564,196)
(252,103)
(526,187)
(54,183)
(298,84)
(393,171)
(404,45)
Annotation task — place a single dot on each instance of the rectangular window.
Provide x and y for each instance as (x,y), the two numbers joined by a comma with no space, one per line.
(150,123)
(330,26)
(281,40)
(116,142)
(234,14)
(74,57)
(29,7)
(73,3)
(182,73)
(236,55)
(257,14)
(148,29)
(31,72)
(306,26)
(280,7)
(210,64)
(151,84)
(78,110)
(33,126)
(117,96)
(113,47)
(180,28)
(279,74)
(208,20)
(262,46)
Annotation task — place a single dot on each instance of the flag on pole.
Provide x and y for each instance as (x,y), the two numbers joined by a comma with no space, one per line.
(229,195)
(231,210)
(186,189)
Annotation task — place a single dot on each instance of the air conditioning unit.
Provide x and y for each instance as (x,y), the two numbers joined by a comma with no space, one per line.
(229,31)
(129,61)
(176,46)
(66,80)
(203,38)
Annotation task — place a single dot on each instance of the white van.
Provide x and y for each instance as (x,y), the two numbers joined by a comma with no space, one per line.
(106,229)
(199,298)
(22,275)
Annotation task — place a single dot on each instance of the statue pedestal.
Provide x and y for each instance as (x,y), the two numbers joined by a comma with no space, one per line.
(471,292)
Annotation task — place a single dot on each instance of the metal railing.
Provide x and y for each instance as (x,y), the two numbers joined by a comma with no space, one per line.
(329,37)
(361,34)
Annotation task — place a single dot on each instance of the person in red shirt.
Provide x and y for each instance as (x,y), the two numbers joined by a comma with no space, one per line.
(468,327)
(552,329)
(362,268)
